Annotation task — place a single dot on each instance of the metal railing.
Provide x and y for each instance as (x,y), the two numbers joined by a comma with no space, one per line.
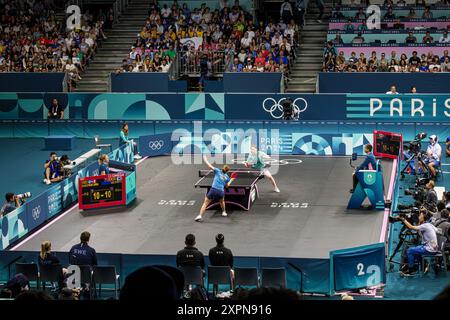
(189,62)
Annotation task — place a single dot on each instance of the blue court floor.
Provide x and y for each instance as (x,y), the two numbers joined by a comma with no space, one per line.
(22,162)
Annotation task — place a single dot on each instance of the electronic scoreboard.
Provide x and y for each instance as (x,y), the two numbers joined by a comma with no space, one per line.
(102,191)
(387,144)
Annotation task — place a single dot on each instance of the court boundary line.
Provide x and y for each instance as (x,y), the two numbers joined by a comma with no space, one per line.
(55,220)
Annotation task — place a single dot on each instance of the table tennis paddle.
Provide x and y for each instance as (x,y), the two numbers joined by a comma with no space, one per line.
(234,175)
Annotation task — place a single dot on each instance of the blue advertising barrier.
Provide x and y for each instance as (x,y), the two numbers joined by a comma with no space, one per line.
(34,213)
(379,82)
(171,106)
(32,82)
(140,82)
(103,109)
(359,267)
(245,82)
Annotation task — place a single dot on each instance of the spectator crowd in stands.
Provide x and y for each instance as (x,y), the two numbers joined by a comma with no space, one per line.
(226,37)
(32,40)
(336,60)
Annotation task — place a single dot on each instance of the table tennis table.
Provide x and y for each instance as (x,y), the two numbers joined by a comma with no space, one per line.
(242,192)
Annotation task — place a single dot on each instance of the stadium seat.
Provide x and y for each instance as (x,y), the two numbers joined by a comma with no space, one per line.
(30,270)
(246,277)
(273,278)
(105,275)
(50,273)
(439,259)
(218,275)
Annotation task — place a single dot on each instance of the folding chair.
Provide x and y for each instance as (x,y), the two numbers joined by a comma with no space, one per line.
(51,273)
(105,275)
(29,270)
(246,277)
(439,259)
(273,278)
(193,276)
(218,275)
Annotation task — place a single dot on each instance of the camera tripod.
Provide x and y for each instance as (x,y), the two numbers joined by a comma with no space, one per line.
(425,170)
(406,236)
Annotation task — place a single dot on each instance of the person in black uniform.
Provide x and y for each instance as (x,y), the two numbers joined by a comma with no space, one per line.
(190,256)
(82,254)
(47,258)
(221,256)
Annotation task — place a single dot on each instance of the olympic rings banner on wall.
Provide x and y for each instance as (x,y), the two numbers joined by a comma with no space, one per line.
(224,106)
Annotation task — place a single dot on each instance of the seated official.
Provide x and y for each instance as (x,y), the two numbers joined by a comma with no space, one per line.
(12,203)
(47,258)
(55,111)
(52,169)
(103,163)
(123,140)
(429,245)
(434,151)
(220,255)
(82,254)
(190,256)
(369,163)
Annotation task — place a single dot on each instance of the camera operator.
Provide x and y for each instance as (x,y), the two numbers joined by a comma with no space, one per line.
(434,151)
(442,223)
(63,161)
(12,203)
(431,198)
(429,241)
(52,169)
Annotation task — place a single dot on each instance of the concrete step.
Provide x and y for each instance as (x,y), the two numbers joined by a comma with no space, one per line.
(300,90)
(303,74)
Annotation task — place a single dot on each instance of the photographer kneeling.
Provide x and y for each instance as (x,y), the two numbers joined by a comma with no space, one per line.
(429,241)
(12,203)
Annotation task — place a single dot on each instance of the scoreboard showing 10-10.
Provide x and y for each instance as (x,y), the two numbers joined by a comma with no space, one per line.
(102,191)
(387,144)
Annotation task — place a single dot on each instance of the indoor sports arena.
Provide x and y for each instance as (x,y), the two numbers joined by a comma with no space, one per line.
(224,150)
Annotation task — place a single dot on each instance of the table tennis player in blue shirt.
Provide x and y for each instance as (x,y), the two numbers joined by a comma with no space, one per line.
(369,163)
(217,190)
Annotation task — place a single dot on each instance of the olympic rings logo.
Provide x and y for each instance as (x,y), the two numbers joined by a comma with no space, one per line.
(36,212)
(156,145)
(276,108)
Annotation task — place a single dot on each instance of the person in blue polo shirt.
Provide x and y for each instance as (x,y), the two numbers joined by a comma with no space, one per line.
(217,191)
(82,254)
(369,163)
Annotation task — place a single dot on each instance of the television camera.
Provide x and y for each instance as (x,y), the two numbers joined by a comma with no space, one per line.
(415,157)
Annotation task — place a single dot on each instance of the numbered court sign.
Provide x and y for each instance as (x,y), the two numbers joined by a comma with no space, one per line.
(358,267)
